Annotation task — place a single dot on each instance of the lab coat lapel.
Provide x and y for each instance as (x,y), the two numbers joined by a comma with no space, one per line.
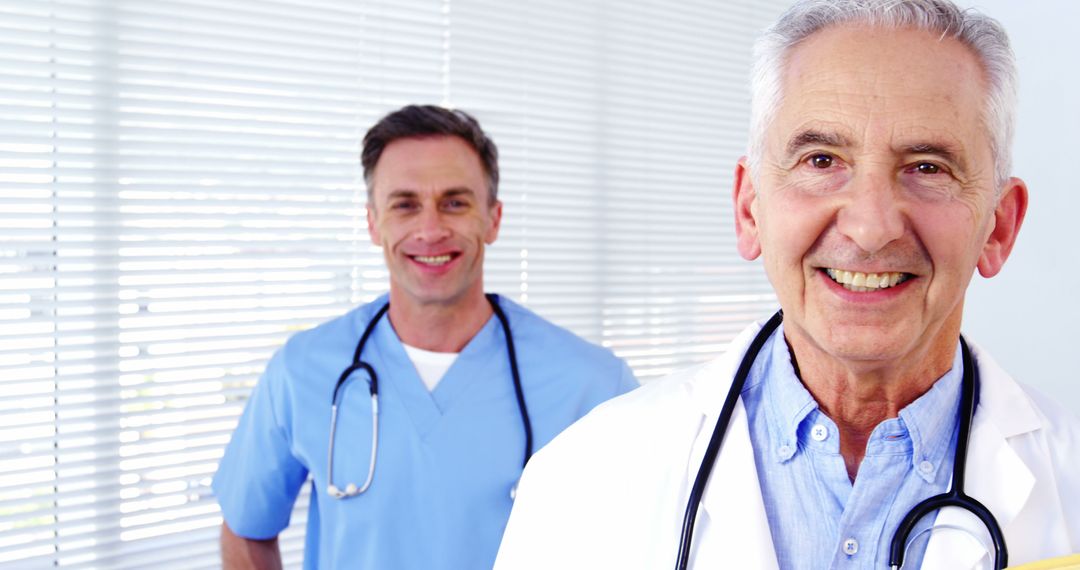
(732,530)
(996,475)
(997,478)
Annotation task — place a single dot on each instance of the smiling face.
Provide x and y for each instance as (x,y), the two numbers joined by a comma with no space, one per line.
(874,199)
(431,212)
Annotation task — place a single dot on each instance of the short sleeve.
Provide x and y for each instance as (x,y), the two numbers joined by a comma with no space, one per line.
(259,477)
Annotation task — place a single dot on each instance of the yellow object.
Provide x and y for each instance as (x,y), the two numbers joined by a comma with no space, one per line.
(1071,562)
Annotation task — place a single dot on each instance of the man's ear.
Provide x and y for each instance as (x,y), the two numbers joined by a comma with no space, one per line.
(371,230)
(746,228)
(1008,217)
(496,221)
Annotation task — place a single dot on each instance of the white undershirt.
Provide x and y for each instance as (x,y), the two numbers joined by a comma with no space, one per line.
(431,366)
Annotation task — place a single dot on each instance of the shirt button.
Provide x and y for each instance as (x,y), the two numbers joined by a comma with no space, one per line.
(819,432)
(851,546)
(926,467)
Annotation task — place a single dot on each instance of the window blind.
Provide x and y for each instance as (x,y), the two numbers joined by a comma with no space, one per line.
(181,192)
(622,124)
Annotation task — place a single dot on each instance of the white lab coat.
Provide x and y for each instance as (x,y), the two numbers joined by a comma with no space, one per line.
(611,491)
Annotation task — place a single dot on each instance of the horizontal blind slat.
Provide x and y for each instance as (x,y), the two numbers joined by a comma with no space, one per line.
(182,193)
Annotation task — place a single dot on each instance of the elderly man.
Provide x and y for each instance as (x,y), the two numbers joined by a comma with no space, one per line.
(877,182)
(412,414)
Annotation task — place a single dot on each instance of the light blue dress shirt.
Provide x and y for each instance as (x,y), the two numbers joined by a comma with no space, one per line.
(818,518)
(447,458)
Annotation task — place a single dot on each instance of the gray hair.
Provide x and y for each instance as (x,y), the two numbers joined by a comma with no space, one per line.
(982,34)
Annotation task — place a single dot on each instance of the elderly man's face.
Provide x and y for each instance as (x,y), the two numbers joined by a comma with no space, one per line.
(875,200)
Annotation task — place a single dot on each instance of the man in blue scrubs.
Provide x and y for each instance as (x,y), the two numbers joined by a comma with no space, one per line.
(451,439)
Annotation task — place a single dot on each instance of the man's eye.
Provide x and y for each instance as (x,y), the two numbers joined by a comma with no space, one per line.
(927,168)
(821,161)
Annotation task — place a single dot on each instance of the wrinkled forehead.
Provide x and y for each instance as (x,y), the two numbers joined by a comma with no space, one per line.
(873,83)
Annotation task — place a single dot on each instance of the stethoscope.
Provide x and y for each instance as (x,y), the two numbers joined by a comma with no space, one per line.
(351,490)
(954,497)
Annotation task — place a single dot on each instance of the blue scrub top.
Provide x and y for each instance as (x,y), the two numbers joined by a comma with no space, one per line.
(447,459)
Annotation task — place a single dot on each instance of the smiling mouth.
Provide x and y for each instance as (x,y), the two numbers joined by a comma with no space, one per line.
(433,260)
(864,282)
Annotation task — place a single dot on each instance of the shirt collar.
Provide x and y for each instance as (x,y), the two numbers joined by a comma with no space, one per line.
(929,422)
(786,402)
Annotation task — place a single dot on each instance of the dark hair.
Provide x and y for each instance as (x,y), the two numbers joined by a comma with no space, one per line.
(429,120)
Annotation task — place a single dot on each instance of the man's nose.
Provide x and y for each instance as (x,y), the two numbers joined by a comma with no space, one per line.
(872,216)
(431,226)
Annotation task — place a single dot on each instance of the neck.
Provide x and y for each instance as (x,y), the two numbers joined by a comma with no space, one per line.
(859,395)
(439,327)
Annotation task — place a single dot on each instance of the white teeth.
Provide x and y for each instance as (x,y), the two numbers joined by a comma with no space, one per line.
(863,282)
(432,259)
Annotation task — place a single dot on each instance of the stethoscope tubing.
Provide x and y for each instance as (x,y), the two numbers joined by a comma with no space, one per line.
(955,497)
(713,449)
(352,490)
(519,393)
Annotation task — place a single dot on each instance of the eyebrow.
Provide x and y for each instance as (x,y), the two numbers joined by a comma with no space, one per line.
(453,192)
(812,138)
(450,192)
(400,194)
(945,151)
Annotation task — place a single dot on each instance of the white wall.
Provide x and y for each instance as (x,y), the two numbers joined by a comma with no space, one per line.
(1027,315)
